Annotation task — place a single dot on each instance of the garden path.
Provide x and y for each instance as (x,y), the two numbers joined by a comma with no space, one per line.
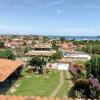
(70,82)
(59,85)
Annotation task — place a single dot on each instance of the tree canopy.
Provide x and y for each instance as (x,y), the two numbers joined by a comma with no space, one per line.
(57,55)
(38,62)
(1,44)
(62,39)
(54,45)
(93,67)
(8,54)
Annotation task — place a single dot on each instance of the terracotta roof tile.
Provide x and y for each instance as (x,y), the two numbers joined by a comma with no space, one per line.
(7,67)
(64,98)
(2,97)
(45,98)
(39,98)
(51,98)
(69,98)
(57,98)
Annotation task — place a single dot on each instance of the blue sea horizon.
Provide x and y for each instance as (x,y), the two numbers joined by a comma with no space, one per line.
(76,37)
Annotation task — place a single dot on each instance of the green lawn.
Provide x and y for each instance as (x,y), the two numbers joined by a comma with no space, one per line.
(37,86)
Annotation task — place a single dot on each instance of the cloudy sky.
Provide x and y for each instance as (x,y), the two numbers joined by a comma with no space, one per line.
(50,17)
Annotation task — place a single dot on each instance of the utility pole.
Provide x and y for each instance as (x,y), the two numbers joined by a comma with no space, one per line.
(91,49)
(28,51)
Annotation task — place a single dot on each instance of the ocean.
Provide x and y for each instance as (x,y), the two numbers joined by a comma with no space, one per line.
(76,37)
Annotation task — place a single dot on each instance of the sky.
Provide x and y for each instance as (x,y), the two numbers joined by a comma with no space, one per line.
(50,17)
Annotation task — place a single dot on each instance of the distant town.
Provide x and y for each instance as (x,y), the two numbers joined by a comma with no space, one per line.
(46,66)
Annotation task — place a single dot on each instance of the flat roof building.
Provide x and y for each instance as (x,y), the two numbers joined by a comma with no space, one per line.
(75,55)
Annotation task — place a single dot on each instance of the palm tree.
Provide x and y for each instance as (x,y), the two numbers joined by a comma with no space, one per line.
(93,69)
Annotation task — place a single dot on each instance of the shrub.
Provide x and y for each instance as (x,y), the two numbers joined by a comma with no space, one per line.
(8,54)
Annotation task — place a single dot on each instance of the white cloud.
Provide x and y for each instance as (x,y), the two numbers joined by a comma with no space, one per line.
(58,2)
(91,6)
(59,11)
(85,6)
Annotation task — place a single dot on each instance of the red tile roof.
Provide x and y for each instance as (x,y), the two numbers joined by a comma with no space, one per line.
(67,46)
(2,97)
(7,67)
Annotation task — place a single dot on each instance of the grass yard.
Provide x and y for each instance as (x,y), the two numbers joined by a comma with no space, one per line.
(32,85)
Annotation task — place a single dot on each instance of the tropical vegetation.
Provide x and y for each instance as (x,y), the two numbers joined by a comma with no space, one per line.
(8,54)
(93,67)
(38,63)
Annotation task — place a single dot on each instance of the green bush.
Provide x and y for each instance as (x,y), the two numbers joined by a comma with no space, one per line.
(57,55)
(1,44)
(93,67)
(7,54)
